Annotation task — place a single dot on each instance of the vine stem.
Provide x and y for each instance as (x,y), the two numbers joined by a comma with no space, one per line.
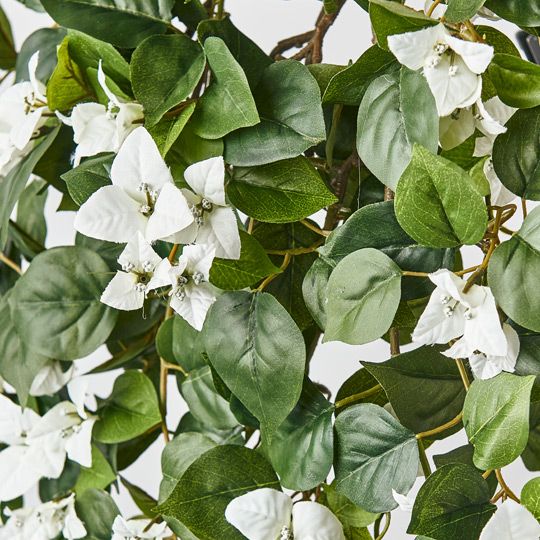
(386,527)
(286,260)
(463,373)
(506,487)
(426,469)
(8,262)
(314,228)
(357,397)
(439,429)
(432,7)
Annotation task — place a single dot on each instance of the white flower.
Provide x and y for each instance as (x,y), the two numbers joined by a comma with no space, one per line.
(511,522)
(191,294)
(405,502)
(215,222)
(21,525)
(500,194)
(451,66)
(129,529)
(15,422)
(50,378)
(99,128)
(22,110)
(487,366)
(80,395)
(142,197)
(451,313)
(268,514)
(127,289)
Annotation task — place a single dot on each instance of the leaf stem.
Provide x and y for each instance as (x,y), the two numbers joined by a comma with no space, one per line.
(432,7)
(357,397)
(439,429)
(423,458)
(506,487)
(463,373)
(314,228)
(386,527)
(12,264)
(331,141)
(286,260)
(524,206)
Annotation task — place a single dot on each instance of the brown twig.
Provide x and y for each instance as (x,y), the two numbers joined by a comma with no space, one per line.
(505,486)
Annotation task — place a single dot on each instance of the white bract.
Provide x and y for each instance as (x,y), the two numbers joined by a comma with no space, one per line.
(405,502)
(38,446)
(127,289)
(215,221)
(50,378)
(191,293)
(451,66)
(268,514)
(45,522)
(142,197)
(470,316)
(81,396)
(99,128)
(22,112)
(488,366)
(511,521)
(129,529)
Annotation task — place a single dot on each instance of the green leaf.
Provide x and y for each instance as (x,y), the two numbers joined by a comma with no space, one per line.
(517,81)
(531,454)
(496,419)
(389,18)
(97,510)
(56,303)
(124,23)
(301,450)
(346,511)
(88,177)
(314,288)
(144,502)
(19,364)
(169,128)
(179,343)
(279,192)
(353,297)
(361,382)
(46,41)
(228,472)
(516,154)
(248,54)
(249,339)
(372,444)
(14,182)
(31,219)
(389,124)
(98,476)
(349,85)
(164,72)
(461,10)
(203,401)
(437,204)
(8,55)
(188,424)
(252,266)
(227,104)
(453,503)
(108,251)
(519,256)
(427,369)
(289,105)
(530,497)
(130,410)
(524,14)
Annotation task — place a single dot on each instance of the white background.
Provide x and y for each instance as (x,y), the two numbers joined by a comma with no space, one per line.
(266,22)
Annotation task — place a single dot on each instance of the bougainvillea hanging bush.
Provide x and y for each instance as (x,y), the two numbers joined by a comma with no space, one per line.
(197,168)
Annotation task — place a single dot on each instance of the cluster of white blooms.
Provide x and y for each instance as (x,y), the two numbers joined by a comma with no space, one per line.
(37,446)
(267,514)
(143,205)
(23,111)
(139,529)
(472,317)
(44,522)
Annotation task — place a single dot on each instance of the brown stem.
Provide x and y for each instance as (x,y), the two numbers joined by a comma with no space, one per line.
(8,262)
(432,7)
(506,487)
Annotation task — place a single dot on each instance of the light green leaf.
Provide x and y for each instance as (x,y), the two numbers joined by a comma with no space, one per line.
(130,410)
(228,472)
(124,23)
(530,497)
(227,104)
(517,81)
(249,339)
(437,204)
(353,297)
(164,72)
(252,266)
(389,18)
(461,10)
(168,129)
(453,503)
(302,449)
(279,192)
(516,154)
(374,454)
(496,419)
(289,105)
(56,303)
(314,288)
(349,85)
(519,256)
(427,369)
(98,476)
(350,515)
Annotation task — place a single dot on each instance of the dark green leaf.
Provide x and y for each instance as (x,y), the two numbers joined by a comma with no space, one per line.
(31,218)
(525,14)
(98,476)
(461,10)
(97,510)
(314,288)
(374,454)
(360,383)
(168,129)
(8,54)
